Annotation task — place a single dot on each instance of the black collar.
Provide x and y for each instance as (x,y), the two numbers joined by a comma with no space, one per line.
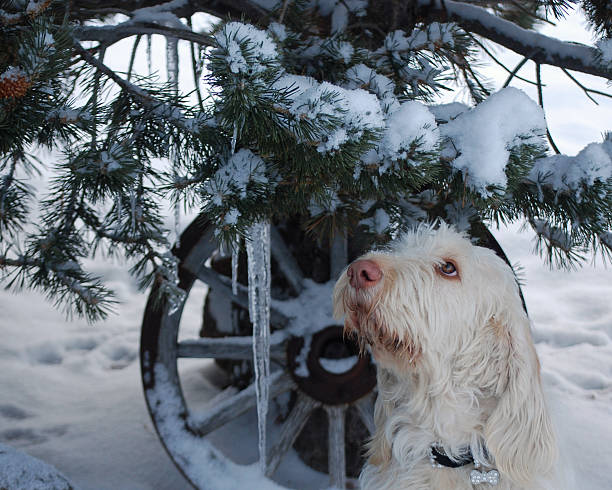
(438,456)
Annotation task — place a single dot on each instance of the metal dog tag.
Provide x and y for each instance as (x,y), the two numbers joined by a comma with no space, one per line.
(490,477)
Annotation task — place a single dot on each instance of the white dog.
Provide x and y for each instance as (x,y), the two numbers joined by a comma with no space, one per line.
(460,403)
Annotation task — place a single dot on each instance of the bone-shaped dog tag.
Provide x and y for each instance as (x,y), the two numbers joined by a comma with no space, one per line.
(490,477)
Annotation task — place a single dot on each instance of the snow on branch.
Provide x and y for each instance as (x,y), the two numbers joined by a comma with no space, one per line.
(60,280)
(568,174)
(553,235)
(163,19)
(537,47)
(479,141)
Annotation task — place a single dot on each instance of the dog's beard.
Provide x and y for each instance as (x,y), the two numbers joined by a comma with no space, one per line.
(365,324)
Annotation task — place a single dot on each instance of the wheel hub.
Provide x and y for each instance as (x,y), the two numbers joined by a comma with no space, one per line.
(328,367)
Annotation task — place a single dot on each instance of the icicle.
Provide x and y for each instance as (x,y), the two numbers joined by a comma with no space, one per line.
(177,223)
(258,251)
(172,68)
(235,250)
(149,54)
(172,62)
(168,269)
(119,211)
(133,211)
(234,138)
(236,244)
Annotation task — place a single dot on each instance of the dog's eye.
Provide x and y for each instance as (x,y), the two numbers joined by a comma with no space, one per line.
(448,269)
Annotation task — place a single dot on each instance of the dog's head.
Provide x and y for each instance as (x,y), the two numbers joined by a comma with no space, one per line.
(436,305)
(426,298)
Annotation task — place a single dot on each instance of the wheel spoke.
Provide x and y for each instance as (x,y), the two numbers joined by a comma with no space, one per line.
(234,406)
(290,431)
(227,348)
(222,284)
(286,262)
(336,456)
(365,409)
(223,395)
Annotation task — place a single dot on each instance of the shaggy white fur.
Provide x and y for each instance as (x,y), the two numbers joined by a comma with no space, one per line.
(456,366)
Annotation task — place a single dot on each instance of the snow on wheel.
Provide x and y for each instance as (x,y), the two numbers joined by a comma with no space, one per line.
(318,382)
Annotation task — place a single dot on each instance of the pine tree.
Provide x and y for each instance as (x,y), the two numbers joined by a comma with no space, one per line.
(324,109)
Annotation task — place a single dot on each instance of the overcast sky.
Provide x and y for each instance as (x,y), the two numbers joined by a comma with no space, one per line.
(573,120)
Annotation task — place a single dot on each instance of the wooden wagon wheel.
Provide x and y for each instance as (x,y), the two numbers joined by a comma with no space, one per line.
(315,364)
(320,382)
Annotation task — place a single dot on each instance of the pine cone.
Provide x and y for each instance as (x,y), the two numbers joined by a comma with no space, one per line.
(14,83)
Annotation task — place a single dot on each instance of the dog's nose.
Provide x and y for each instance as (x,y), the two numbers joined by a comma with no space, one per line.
(364,274)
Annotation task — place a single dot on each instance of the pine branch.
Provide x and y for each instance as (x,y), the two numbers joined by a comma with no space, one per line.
(541,49)
(530,13)
(133,56)
(156,106)
(587,91)
(515,71)
(512,73)
(541,102)
(33,10)
(107,35)
(64,283)
(7,180)
(235,9)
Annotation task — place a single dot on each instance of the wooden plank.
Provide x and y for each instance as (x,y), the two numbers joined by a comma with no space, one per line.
(336,456)
(226,348)
(222,284)
(290,431)
(286,261)
(232,407)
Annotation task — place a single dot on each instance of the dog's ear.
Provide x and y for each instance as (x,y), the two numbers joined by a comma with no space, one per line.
(519,433)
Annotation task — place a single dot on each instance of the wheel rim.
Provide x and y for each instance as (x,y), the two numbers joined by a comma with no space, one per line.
(180,430)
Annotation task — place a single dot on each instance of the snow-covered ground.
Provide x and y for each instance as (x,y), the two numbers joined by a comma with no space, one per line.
(71,392)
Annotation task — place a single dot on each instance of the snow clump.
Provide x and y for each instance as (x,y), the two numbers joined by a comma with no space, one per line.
(605,49)
(361,76)
(12,73)
(20,470)
(339,10)
(481,139)
(411,123)
(261,49)
(355,111)
(447,112)
(278,30)
(434,36)
(241,168)
(410,128)
(565,173)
